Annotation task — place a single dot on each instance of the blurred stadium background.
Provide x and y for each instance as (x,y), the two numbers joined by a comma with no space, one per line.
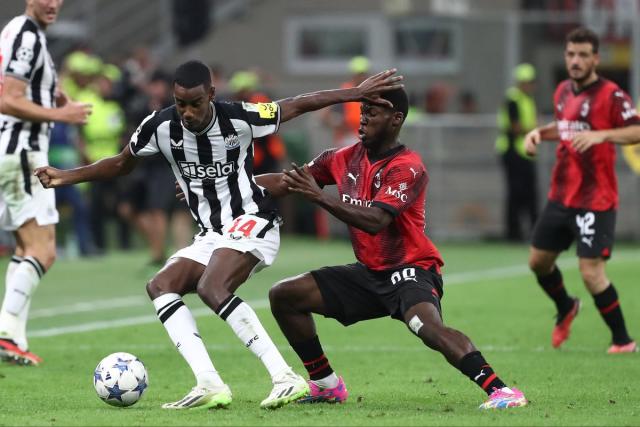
(456,56)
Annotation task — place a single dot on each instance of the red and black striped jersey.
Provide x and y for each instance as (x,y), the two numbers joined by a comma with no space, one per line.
(397,183)
(588,180)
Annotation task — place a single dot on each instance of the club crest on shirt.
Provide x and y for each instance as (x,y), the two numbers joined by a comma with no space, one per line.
(377,179)
(231,142)
(584,110)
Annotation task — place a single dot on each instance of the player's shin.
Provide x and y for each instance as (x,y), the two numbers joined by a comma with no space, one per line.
(315,362)
(608,305)
(474,366)
(245,324)
(23,277)
(181,326)
(553,285)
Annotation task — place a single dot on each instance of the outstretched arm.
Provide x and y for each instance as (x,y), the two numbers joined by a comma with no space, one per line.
(106,168)
(624,136)
(539,134)
(274,183)
(369,219)
(368,90)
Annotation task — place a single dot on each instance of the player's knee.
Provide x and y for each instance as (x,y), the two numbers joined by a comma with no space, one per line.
(280,293)
(592,276)
(213,295)
(155,288)
(539,265)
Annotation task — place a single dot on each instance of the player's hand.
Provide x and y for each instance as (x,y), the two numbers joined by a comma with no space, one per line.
(582,141)
(300,180)
(75,113)
(179,194)
(370,89)
(50,177)
(531,142)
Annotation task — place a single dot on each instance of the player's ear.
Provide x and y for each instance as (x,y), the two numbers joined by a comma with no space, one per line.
(397,118)
(212,92)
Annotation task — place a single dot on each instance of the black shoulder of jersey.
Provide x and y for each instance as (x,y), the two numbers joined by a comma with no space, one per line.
(169,113)
(233,110)
(29,25)
(150,126)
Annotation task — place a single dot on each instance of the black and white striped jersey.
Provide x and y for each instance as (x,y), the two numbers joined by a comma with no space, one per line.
(24,55)
(215,166)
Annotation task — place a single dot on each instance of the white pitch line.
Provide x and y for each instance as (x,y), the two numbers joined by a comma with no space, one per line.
(125,321)
(450,279)
(89,306)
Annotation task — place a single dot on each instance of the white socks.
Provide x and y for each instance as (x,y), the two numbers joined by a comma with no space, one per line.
(22,279)
(330,381)
(181,326)
(247,327)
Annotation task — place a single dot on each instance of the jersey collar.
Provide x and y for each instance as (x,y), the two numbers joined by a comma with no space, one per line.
(386,154)
(214,117)
(587,87)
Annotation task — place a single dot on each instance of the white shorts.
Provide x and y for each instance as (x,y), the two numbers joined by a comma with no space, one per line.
(247,233)
(22,197)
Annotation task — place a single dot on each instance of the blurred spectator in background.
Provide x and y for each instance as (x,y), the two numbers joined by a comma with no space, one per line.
(516,117)
(344,119)
(436,98)
(467,102)
(268,152)
(101,137)
(219,80)
(148,209)
(63,153)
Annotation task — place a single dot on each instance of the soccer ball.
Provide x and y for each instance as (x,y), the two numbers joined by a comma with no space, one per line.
(120,379)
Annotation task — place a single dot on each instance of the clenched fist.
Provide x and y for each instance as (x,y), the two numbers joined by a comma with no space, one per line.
(50,177)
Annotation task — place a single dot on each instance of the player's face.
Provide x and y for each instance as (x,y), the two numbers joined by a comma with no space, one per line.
(193,105)
(580,60)
(376,124)
(44,11)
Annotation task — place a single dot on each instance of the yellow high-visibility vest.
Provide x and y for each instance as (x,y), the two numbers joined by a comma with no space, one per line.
(527,116)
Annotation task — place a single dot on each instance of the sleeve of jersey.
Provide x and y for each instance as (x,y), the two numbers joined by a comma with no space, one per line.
(25,55)
(263,117)
(623,112)
(400,187)
(320,168)
(144,140)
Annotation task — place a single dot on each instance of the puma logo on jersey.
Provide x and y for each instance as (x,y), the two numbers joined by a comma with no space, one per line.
(414,172)
(354,178)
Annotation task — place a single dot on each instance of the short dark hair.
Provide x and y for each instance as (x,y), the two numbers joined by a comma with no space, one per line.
(584,35)
(399,99)
(192,74)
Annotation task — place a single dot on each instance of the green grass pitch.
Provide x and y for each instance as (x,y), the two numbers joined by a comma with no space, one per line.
(86,309)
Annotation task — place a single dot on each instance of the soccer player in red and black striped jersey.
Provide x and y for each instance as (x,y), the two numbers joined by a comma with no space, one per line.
(382,191)
(592,114)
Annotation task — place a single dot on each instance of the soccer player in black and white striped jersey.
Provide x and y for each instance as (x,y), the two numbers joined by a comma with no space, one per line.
(208,145)
(29,104)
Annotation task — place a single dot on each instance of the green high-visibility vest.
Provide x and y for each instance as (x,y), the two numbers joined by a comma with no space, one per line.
(527,118)
(104,127)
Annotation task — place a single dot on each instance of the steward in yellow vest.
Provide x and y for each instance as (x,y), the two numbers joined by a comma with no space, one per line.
(516,117)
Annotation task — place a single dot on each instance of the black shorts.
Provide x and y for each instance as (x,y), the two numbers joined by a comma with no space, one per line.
(558,226)
(353,292)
